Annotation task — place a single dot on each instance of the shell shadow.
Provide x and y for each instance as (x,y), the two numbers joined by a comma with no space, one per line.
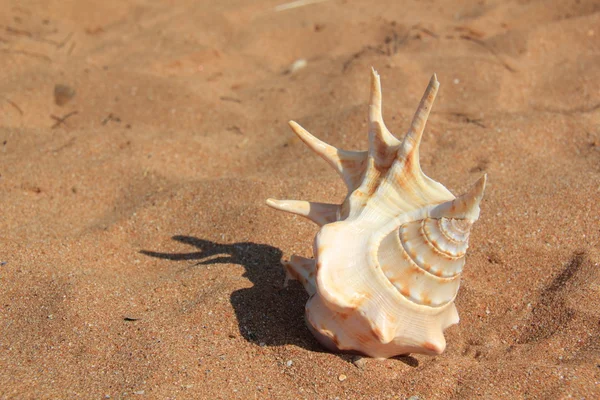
(267,314)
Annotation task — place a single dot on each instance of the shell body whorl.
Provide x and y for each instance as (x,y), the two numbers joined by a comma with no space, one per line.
(388,260)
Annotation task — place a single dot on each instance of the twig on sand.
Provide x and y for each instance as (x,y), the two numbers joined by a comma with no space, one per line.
(65,40)
(12,103)
(235,129)
(360,53)
(27,53)
(37,38)
(296,4)
(61,120)
(110,117)
(18,32)
(71,48)
(392,42)
(228,98)
(469,120)
(491,50)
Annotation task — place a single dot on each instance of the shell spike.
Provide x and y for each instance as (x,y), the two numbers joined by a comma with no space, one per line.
(382,142)
(465,206)
(348,164)
(319,213)
(436,343)
(410,145)
(326,151)
(452,318)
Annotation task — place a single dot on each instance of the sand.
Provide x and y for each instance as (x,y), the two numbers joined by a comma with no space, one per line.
(139,141)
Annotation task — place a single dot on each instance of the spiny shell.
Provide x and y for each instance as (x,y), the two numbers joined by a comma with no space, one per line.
(387,261)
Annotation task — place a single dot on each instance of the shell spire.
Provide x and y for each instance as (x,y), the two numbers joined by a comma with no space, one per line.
(387,260)
(467,205)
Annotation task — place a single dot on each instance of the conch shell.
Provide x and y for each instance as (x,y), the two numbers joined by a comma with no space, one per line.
(387,261)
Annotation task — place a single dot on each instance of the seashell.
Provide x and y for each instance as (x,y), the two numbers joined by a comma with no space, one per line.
(388,260)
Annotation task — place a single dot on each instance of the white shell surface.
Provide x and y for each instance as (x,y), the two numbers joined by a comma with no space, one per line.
(387,261)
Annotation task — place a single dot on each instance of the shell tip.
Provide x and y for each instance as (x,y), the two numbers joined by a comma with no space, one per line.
(272,202)
(434,81)
(480,186)
(375,87)
(473,197)
(374,72)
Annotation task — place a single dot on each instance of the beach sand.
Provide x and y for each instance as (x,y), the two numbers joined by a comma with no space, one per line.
(139,141)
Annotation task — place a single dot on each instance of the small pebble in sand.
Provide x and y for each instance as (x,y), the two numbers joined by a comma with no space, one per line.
(342,377)
(359,362)
(297,66)
(62,94)
(289,363)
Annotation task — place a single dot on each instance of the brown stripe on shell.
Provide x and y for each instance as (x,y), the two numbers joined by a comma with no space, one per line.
(425,299)
(384,147)
(402,283)
(410,182)
(372,186)
(364,338)
(405,291)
